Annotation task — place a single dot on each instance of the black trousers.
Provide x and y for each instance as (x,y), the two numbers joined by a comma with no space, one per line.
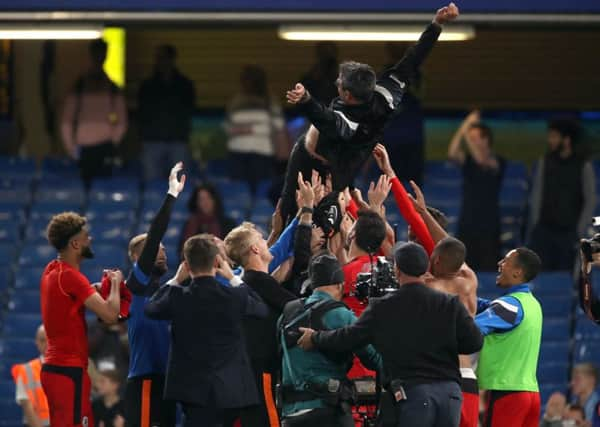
(300,161)
(265,413)
(429,405)
(483,249)
(96,161)
(144,401)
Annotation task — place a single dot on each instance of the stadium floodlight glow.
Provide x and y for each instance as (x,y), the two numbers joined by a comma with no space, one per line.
(373,33)
(49,32)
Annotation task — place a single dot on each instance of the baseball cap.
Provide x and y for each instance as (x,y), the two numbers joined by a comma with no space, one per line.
(411,259)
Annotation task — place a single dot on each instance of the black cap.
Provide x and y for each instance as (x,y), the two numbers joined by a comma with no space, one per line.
(411,259)
(328,214)
(325,270)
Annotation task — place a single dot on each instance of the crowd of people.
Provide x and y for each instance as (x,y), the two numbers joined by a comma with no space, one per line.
(328,319)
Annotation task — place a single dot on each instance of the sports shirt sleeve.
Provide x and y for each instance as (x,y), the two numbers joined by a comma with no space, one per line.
(502,315)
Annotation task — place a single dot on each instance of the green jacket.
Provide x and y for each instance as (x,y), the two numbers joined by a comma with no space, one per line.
(313,366)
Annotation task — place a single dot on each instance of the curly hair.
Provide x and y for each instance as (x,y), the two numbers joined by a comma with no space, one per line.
(238,242)
(62,227)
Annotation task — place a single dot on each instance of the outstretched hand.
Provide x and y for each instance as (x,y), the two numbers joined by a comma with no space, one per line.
(297,94)
(446,14)
(418,200)
(176,185)
(382,159)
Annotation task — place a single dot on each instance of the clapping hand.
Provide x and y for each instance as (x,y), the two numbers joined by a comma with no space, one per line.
(176,185)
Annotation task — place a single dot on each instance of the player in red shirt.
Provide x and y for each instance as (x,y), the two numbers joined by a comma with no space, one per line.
(64,293)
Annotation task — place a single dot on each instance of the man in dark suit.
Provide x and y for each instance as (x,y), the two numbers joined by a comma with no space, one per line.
(419,333)
(208,370)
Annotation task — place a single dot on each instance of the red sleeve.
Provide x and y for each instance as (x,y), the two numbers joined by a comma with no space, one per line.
(411,215)
(76,286)
(352,209)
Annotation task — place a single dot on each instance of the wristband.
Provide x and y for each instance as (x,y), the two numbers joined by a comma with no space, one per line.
(306,209)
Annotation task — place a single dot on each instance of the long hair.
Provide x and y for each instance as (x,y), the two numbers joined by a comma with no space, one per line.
(210,189)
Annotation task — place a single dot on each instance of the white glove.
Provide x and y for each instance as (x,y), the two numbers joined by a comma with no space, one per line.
(175,185)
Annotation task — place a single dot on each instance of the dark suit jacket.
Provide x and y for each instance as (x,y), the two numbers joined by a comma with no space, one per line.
(418,331)
(208,363)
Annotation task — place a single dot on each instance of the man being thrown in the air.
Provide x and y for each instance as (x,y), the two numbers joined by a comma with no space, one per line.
(343,135)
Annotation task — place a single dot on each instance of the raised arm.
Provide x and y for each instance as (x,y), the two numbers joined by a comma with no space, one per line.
(456,152)
(436,231)
(403,201)
(407,67)
(326,120)
(145,263)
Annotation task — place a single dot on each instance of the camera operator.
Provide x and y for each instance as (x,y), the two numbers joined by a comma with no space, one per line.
(419,333)
(315,387)
(590,256)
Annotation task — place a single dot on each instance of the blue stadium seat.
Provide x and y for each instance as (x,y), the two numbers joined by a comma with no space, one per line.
(513,194)
(11,213)
(19,348)
(109,256)
(6,278)
(74,197)
(15,197)
(10,166)
(556,306)
(92,271)
(442,197)
(516,171)
(8,252)
(14,183)
(117,200)
(114,233)
(486,281)
(9,233)
(59,166)
(36,255)
(587,351)
(11,413)
(217,168)
(556,329)
(553,283)
(28,277)
(235,190)
(115,184)
(25,302)
(585,329)
(553,372)
(442,170)
(47,208)
(60,182)
(554,351)
(18,325)
(7,390)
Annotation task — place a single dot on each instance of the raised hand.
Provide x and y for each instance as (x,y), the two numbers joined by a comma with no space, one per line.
(223,268)
(446,14)
(306,192)
(176,185)
(418,200)
(318,187)
(382,159)
(379,192)
(297,94)
(358,198)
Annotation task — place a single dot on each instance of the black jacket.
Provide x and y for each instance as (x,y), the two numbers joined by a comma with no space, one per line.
(418,331)
(261,333)
(208,359)
(348,133)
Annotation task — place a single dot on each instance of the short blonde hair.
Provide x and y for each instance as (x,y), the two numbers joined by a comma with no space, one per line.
(238,241)
(136,244)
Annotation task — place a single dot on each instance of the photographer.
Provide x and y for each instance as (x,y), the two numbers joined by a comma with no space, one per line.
(588,300)
(419,333)
(314,383)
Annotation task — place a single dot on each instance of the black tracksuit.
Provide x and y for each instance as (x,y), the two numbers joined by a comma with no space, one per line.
(348,133)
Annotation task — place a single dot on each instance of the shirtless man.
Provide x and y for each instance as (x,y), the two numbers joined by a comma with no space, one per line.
(450,274)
